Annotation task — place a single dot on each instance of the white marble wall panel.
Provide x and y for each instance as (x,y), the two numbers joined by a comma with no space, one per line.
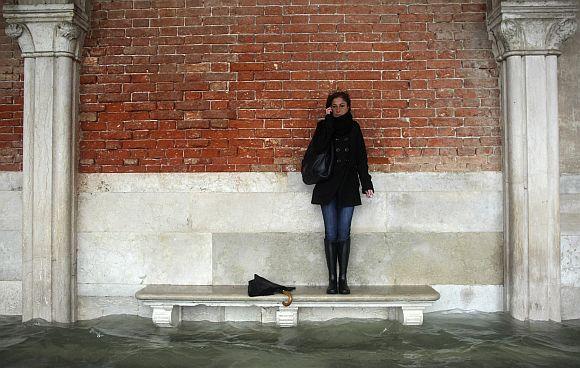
(10,298)
(281,182)
(215,213)
(10,243)
(95,307)
(421,182)
(183,182)
(570,214)
(274,212)
(137,258)
(570,203)
(10,181)
(483,298)
(376,259)
(570,301)
(569,183)
(570,250)
(10,255)
(134,212)
(425,212)
(108,289)
(10,210)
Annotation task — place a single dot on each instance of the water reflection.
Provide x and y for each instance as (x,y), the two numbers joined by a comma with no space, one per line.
(445,340)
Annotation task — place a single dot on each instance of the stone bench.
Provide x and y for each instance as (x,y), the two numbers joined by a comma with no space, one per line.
(167,300)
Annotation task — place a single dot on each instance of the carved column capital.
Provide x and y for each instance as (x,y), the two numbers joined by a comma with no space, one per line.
(14,30)
(47,30)
(68,30)
(531,27)
(69,38)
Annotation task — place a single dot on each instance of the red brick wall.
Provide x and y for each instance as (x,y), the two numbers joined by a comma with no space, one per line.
(11,89)
(238,85)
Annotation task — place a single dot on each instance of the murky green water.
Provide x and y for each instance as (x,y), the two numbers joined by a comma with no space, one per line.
(445,340)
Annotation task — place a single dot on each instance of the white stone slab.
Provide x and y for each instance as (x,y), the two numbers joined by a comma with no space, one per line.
(281,182)
(134,212)
(103,289)
(253,212)
(570,203)
(10,255)
(216,212)
(482,298)
(96,307)
(273,212)
(10,210)
(444,212)
(570,250)
(570,223)
(570,214)
(11,181)
(569,184)
(183,182)
(420,182)
(10,298)
(570,302)
(134,258)
(376,259)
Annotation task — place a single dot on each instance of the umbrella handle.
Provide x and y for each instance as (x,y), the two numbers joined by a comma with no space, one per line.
(289,301)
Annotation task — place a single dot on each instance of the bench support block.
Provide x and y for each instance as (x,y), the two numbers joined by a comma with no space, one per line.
(166,315)
(287,316)
(412,315)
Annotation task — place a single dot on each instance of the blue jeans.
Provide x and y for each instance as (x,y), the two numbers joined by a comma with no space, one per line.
(336,221)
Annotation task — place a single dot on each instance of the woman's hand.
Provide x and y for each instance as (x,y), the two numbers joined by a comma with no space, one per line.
(328,110)
(370,193)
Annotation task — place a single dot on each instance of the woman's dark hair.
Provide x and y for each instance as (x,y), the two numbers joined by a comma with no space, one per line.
(342,94)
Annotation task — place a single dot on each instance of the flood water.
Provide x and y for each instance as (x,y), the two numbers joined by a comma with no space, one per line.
(445,340)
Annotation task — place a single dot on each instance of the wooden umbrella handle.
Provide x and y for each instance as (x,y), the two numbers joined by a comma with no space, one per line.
(289,301)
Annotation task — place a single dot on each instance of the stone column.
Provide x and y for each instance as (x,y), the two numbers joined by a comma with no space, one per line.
(526,37)
(50,38)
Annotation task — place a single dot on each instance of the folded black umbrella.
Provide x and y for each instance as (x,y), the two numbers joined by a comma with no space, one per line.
(260,286)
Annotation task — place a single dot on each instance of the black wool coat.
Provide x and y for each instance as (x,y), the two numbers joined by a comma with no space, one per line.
(350,164)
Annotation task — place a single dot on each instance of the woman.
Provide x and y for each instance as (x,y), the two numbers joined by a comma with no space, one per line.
(338,195)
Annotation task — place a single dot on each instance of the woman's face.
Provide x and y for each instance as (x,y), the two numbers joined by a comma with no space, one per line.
(339,107)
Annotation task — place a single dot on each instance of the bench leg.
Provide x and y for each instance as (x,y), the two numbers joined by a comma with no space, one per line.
(412,315)
(287,316)
(166,315)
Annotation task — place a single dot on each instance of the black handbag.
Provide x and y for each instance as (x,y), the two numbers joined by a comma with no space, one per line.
(317,167)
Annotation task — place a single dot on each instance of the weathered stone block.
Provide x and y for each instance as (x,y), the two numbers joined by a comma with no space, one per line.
(444,212)
(183,183)
(376,259)
(484,298)
(570,250)
(10,298)
(10,210)
(135,258)
(570,302)
(138,212)
(10,255)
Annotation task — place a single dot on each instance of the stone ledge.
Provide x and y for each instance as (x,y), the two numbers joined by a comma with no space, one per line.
(167,300)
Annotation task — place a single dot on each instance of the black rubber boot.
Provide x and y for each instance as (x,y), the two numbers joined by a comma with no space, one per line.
(343,248)
(330,251)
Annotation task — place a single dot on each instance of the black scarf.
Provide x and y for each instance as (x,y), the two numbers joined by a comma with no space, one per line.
(342,124)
